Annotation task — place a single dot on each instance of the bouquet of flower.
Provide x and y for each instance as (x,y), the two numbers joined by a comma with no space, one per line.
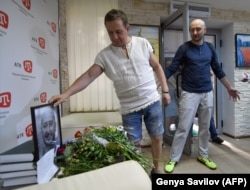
(99,147)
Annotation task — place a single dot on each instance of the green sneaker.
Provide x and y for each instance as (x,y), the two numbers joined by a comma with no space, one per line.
(207,162)
(169,167)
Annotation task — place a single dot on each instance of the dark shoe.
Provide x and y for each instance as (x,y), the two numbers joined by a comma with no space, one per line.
(218,140)
(152,173)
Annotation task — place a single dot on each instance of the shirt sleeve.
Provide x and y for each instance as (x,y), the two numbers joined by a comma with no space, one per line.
(176,62)
(215,65)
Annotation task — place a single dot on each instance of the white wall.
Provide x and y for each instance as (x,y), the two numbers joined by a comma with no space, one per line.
(29,65)
(228,65)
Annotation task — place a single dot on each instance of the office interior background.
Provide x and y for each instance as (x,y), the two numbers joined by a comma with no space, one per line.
(82,33)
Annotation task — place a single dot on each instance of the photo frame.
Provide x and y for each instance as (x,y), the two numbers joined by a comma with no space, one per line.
(150,32)
(46,126)
(242,51)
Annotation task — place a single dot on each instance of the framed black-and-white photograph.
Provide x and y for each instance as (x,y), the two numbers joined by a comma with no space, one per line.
(46,126)
(242,45)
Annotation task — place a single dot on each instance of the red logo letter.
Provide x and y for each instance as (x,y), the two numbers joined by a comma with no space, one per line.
(54,71)
(43,97)
(27,65)
(53,26)
(27,4)
(5,99)
(29,130)
(4,19)
(41,42)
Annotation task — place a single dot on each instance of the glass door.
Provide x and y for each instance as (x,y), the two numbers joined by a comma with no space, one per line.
(213,36)
(174,32)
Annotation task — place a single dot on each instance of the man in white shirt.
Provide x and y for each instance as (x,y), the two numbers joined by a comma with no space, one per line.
(130,63)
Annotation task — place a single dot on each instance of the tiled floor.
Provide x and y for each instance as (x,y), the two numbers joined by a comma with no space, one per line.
(233,156)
